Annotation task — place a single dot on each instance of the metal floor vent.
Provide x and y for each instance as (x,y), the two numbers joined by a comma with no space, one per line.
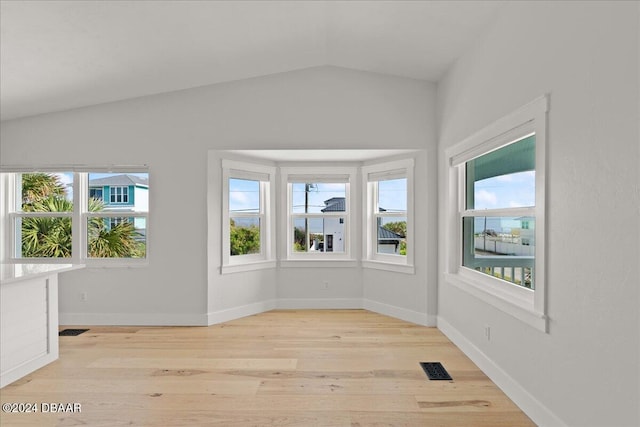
(71,332)
(435,371)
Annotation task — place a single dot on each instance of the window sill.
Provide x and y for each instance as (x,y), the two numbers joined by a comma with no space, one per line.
(387,266)
(321,263)
(520,308)
(86,262)
(250,266)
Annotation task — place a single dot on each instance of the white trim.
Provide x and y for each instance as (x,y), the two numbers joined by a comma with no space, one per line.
(266,176)
(319,173)
(502,300)
(79,215)
(529,307)
(31,168)
(249,266)
(399,313)
(319,303)
(500,132)
(371,174)
(538,412)
(226,315)
(388,266)
(133,319)
(324,263)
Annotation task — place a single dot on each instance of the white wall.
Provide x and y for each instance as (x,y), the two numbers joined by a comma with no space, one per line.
(584,372)
(319,108)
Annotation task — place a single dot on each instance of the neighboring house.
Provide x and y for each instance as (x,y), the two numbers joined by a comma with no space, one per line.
(333,232)
(388,241)
(122,193)
(514,242)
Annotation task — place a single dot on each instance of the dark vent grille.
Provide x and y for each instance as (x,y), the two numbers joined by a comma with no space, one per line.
(71,332)
(435,371)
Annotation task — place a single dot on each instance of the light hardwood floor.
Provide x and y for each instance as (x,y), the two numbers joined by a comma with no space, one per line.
(280,368)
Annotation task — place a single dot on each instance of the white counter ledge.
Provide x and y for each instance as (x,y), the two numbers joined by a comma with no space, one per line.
(10,273)
(28,317)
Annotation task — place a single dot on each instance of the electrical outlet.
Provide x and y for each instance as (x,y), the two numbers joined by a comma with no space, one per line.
(487,332)
(325,285)
(83,296)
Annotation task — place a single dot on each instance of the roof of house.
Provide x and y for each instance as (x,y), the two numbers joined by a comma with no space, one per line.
(124,179)
(384,234)
(337,204)
(334,204)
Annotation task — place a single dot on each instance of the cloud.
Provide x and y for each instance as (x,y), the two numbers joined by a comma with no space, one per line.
(484,198)
(242,201)
(504,178)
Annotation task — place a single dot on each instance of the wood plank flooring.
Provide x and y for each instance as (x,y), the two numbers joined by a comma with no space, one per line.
(280,368)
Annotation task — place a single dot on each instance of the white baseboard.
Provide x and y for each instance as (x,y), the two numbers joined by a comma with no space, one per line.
(20,371)
(540,414)
(319,303)
(211,318)
(400,313)
(226,315)
(133,319)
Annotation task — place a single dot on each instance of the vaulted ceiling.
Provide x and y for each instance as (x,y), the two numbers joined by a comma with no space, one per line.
(57,55)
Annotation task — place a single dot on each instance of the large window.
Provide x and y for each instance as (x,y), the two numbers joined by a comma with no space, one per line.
(498,221)
(388,200)
(319,212)
(496,214)
(61,215)
(248,221)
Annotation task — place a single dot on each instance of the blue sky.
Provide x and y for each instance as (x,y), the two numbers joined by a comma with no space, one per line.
(244,195)
(317,195)
(507,191)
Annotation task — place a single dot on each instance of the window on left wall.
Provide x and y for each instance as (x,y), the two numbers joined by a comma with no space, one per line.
(90,216)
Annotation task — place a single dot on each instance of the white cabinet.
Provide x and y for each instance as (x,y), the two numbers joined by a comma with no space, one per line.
(28,319)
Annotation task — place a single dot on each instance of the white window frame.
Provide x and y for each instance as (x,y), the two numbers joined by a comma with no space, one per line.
(318,174)
(266,175)
(525,304)
(79,216)
(371,175)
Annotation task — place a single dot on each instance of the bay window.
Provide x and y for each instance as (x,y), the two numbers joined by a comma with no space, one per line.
(248,219)
(388,241)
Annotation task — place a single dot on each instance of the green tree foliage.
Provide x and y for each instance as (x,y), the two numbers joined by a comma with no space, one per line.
(399,227)
(50,236)
(244,240)
(37,187)
(299,240)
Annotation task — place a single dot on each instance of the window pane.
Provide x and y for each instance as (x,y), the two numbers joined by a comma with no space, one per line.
(503,247)
(392,195)
(45,237)
(318,234)
(116,237)
(47,192)
(118,192)
(244,235)
(318,197)
(244,196)
(392,232)
(504,178)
